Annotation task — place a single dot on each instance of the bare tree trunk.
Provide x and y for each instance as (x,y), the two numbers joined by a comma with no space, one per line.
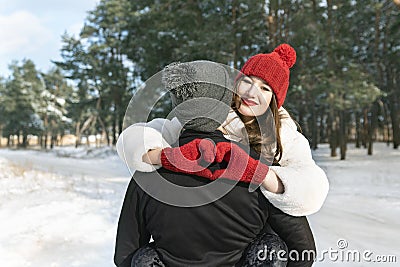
(105,131)
(46,126)
(365,128)
(314,130)
(394,115)
(19,138)
(77,134)
(377,43)
(387,123)
(330,35)
(322,127)
(236,45)
(52,140)
(333,137)
(24,139)
(358,130)
(273,21)
(79,130)
(370,146)
(373,122)
(114,126)
(333,143)
(46,136)
(343,134)
(314,5)
(120,124)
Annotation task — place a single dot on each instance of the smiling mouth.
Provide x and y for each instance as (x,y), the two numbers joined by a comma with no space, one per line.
(248,102)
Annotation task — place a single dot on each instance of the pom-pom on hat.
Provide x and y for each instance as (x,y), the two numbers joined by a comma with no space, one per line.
(273,68)
(201,93)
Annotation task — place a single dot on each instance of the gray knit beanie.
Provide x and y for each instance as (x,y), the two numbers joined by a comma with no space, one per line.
(201,93)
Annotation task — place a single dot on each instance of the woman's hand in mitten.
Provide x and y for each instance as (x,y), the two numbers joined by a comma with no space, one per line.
(241,167)
(187,158)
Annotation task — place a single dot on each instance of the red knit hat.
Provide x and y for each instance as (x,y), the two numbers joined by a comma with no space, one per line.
(273,68)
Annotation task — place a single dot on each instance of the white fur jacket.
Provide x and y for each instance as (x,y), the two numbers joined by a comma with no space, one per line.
(305,184)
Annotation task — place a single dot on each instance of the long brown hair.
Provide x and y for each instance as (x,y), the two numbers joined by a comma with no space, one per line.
(255,132)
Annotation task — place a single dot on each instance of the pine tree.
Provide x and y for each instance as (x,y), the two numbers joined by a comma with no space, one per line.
(21,102)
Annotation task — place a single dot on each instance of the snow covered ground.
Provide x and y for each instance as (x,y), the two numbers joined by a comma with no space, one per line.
(59,211)
(60,208)
(363,206)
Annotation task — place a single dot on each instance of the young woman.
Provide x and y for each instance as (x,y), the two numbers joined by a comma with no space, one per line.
(295,185)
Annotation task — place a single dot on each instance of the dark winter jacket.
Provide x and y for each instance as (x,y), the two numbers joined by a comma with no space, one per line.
(215,234)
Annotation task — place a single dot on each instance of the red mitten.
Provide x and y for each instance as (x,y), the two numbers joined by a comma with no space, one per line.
(187,158)
(241,167)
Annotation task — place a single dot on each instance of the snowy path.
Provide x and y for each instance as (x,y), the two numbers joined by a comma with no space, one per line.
(58,211)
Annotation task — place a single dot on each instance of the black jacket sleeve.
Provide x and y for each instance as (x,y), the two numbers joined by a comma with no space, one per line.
(296,233)
(131,233)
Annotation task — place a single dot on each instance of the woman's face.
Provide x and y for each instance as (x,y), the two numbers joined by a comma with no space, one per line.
(256,96)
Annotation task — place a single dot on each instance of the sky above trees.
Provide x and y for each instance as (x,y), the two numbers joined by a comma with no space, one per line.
(33,29)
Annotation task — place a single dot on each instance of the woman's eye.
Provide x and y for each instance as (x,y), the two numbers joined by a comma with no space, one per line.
(248,81)
(266,89)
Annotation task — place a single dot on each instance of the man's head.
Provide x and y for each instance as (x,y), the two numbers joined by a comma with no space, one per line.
(201,93)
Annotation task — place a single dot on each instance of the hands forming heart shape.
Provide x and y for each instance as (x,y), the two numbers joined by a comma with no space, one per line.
(188,159)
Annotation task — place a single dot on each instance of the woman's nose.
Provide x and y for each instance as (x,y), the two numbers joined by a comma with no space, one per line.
(252,91)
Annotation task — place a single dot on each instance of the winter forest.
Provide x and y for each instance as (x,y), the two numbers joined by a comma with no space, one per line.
(62,183)
(344,87)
